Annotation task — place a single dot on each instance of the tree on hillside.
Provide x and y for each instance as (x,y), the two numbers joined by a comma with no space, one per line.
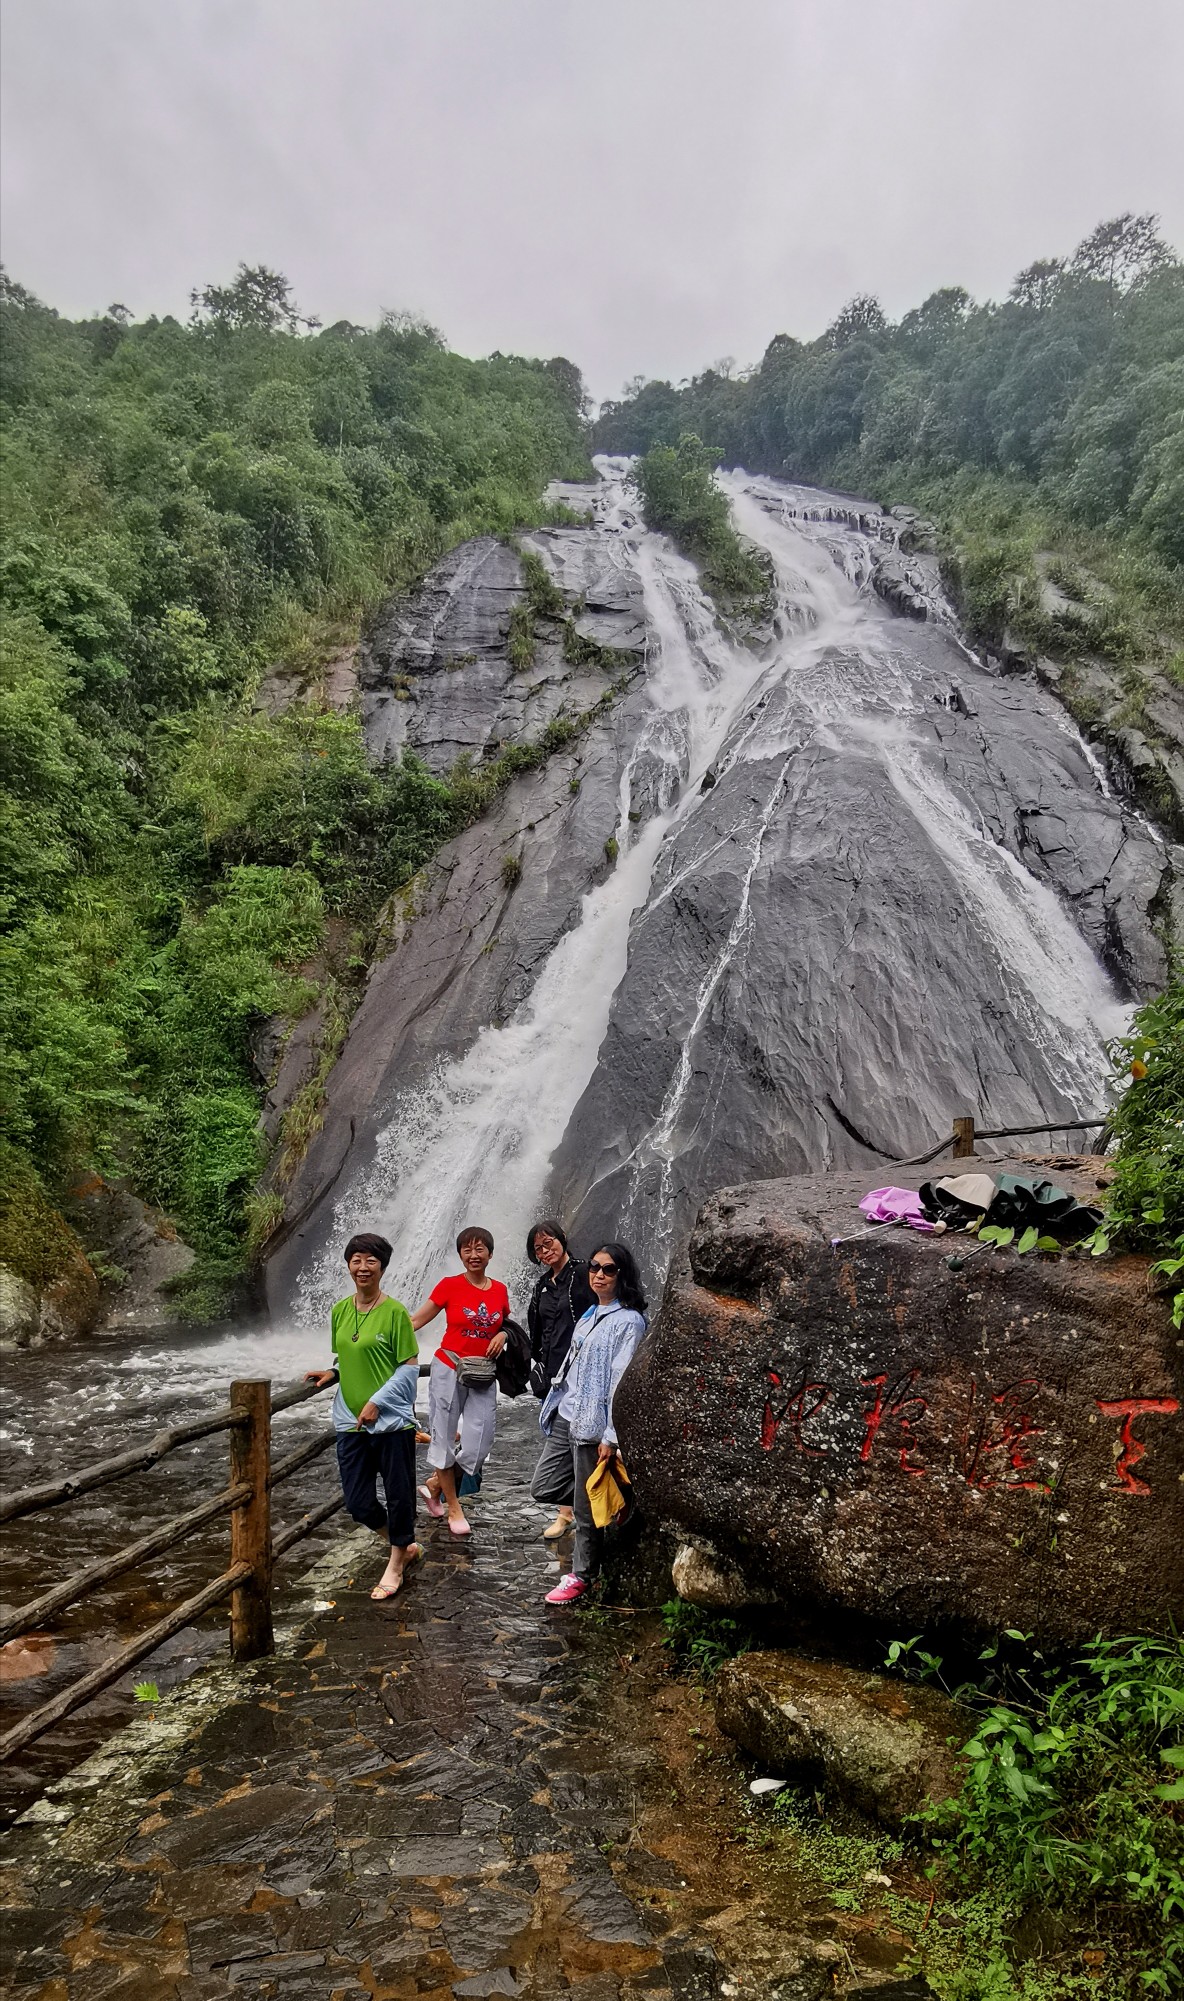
(258,298)
(1121,251)
(937,317)
(1036,285)
(570,382)
(861,315)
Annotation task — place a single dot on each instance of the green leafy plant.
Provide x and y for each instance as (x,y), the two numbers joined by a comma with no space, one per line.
(146,1691)
(1070,1791)
(1145,1203)
(678,493)
(700,1640)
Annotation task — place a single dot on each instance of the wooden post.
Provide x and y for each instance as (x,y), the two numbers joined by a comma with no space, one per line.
(250,1525)
(963,1138)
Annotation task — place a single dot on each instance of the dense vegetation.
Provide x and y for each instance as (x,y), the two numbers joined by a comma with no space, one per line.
(1145,1204)
(1053,421)
(1058,1869)
(186,508)
(679,496)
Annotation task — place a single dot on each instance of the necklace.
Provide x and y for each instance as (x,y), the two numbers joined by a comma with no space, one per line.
(358,1318)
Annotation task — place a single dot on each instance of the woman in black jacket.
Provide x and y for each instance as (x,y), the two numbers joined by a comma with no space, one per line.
(560,1296)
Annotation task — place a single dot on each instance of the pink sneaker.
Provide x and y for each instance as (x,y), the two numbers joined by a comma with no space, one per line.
(434,1507)
(566,1591)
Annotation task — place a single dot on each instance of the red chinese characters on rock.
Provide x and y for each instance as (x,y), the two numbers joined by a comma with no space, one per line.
(1130,1449)
(900,1406)
(997,1450)
(797,1407)
(1000,1438)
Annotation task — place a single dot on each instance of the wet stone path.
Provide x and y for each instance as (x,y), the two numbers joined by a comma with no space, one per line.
(460,1793)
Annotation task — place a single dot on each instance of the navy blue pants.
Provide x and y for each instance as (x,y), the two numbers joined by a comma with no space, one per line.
(361,1457)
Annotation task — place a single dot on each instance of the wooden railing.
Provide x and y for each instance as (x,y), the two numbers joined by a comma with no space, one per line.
(254,1475)
(961,1141)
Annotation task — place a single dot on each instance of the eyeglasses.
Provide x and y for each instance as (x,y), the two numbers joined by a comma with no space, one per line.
(605,1271)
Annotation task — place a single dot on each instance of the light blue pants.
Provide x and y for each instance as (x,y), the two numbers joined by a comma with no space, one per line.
(453,1407)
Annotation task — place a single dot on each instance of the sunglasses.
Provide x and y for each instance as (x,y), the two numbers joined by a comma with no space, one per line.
(606,1271)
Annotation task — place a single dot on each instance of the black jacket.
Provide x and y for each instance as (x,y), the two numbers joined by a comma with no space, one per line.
(550,1335)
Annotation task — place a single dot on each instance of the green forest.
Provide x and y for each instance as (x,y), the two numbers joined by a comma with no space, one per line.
(188,507)
(1050,422)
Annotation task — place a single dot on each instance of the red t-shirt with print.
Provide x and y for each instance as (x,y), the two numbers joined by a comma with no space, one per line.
(471,1317)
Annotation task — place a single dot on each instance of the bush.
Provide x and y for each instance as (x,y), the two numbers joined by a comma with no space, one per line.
(1145,1202)
(679,496)
(1072,1792)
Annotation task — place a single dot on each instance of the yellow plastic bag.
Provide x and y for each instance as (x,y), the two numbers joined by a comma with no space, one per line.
(608,1491)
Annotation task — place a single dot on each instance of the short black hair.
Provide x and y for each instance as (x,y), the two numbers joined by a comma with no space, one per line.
(547,1227)
(374,1247)
(472,1230)
(629,1290)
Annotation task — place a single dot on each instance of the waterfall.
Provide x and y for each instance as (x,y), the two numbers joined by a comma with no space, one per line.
(475,1142)
(747,762)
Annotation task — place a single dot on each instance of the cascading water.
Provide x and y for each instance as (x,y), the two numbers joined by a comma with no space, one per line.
(834,761)
(475,1142)
(745,760)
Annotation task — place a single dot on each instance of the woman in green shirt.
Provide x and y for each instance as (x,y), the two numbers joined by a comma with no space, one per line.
(374,1409)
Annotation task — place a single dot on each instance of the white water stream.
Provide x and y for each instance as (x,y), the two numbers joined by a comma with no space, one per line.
(475,1143)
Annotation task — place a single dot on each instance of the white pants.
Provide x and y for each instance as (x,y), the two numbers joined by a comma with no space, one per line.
(451,1404)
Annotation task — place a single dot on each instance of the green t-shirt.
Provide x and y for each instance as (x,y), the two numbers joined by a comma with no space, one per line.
(385,1338)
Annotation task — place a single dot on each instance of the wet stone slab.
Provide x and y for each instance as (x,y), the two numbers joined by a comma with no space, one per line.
(441,1796)
(363,1818)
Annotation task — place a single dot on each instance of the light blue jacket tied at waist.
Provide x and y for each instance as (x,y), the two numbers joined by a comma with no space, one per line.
(602,1347)
(395,1402)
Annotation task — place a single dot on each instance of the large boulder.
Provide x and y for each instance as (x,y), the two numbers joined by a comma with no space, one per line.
(887,1748)
(857,1424)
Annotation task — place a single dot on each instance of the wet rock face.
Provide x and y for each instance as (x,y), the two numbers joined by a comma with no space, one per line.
(859,1425)
(887,1748)
(846,882)
(435,673)
(460,949)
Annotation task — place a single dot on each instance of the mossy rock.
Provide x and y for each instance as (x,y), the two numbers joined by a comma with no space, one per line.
(42,1253)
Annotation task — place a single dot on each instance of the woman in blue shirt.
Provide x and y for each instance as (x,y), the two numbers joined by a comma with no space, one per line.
(577,1415)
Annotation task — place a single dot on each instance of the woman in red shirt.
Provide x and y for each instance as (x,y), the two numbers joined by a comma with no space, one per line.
(476,1309)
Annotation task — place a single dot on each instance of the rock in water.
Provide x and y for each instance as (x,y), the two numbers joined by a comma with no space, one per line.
(887,1748)
(1001,1445)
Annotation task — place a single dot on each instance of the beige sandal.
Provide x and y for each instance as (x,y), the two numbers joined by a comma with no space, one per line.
(561,1525)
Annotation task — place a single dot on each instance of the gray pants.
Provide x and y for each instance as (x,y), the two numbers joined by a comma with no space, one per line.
(561,1480)
(451,1406)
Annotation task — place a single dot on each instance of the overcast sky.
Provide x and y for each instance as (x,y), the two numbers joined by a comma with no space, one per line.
(643,185)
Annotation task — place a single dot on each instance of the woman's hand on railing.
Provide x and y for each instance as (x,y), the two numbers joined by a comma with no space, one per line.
(321,1377)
